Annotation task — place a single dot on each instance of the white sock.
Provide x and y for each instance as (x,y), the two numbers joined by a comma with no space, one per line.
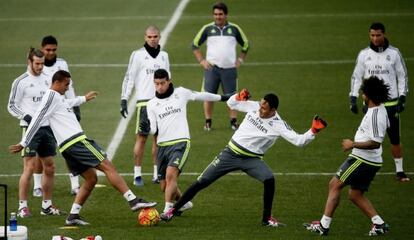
(137,171)
(326,221)
(46,203)
(155,173)
(377,220)
(168,205)
(22,204)
(74,181)
(398,164)
(37,180)
(75,208)
(129,195)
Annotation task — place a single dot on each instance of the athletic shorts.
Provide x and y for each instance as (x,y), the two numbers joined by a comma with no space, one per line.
(226,77)
(43,143)
(81,153)
(230,161)
(357,172)
(142,116)
(174,154)
(394,130)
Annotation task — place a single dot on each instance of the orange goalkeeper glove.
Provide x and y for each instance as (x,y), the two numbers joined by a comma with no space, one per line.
(243,95)
(318,124)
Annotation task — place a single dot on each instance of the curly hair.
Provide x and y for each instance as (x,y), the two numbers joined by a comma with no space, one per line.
(375,89)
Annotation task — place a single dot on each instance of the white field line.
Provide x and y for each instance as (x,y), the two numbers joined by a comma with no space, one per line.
(191,17)
(272,63)
(232,174)
(123,123)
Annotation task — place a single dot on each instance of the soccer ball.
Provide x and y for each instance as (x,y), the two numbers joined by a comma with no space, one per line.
(148,217)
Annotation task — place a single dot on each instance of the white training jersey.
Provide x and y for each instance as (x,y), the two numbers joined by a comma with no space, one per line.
(257,134)
(169,115)
(140,74)
(373,127)
(26,94)
(57,110)
(60,64)
(387,65)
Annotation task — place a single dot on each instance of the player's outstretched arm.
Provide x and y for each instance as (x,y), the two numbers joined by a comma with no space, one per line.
(15,148)
(91,95)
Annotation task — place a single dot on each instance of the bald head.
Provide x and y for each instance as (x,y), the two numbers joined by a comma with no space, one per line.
(152,36)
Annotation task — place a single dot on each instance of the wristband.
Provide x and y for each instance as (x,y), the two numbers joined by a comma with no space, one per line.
(240,60)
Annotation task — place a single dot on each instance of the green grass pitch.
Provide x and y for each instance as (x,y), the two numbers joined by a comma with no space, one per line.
(304,51)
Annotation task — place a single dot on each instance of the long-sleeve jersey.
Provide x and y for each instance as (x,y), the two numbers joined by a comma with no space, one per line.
(387,65)
(256,135)
(57,110)
(373,127)
(26,94)
(221,43)
(140,74)
(60,64)
(169,115)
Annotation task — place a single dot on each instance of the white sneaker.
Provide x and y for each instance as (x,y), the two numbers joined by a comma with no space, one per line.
(52,211)
(24,212)
(37,192)
(74,191)
(186,207)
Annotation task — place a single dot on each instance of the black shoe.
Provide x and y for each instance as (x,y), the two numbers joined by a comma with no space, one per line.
(402,177)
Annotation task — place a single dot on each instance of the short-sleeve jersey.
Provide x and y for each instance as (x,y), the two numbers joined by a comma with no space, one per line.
(373,127)
(60,64)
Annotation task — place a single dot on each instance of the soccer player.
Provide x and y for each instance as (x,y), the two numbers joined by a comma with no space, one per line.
(261,127)
(25,97)
(82,154)
(139,75)
(221,63)
(167,115)
(51,65)
(384,61)
(361,166)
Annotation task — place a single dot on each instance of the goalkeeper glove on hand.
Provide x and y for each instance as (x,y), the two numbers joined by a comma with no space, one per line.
(353,104)
(76,110)
(318,124)
(145,126)
(243,95)
(401,104)
(27,118)
(124,108)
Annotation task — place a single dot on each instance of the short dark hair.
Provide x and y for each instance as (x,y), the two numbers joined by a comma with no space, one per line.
(60,76)
(222,6)
(377,26)
(272,100)
(49,40)
(34,52)
(375,89)
(161,74)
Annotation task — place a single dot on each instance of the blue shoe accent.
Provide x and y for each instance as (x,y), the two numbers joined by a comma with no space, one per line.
(138,181)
